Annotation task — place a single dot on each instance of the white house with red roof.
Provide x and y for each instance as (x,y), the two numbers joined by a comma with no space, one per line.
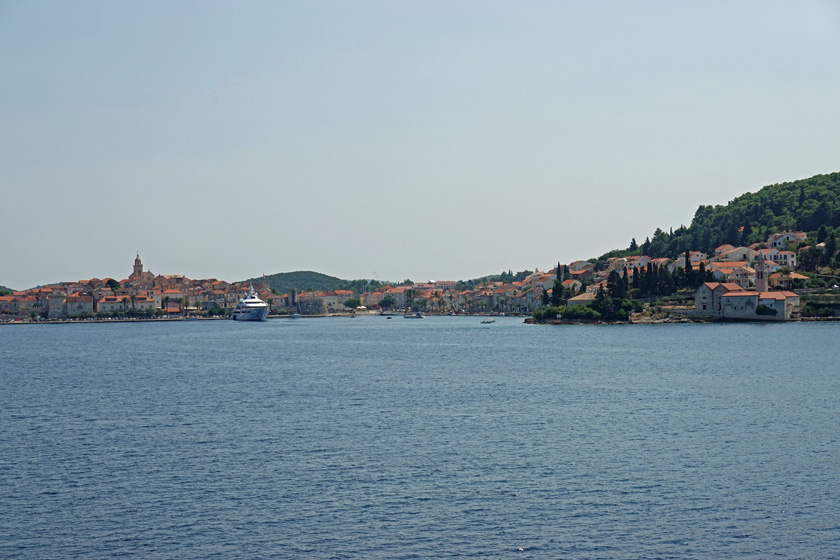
(781,240)
(579,266)
(571,284)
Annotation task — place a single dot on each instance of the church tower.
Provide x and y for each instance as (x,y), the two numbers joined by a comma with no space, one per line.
(138,267)
(762,271)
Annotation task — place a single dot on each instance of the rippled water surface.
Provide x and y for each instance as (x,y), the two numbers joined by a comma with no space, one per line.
(434,438)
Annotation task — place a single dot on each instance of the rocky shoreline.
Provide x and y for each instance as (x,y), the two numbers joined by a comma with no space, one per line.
(642,319)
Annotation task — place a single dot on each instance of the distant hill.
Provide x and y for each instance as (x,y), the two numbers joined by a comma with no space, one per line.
(802,205)
(308,280)
(4,289)
(302,280)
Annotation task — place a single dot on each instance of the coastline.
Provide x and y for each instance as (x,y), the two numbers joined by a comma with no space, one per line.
(636,319)
(269,318)
(675,321)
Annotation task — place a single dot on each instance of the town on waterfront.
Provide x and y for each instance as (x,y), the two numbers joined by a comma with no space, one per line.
(772,255)
(755,282)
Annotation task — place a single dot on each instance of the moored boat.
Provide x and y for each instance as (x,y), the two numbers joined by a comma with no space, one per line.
(250,308)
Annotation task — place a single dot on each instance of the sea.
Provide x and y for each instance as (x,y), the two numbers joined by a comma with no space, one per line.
(411,439)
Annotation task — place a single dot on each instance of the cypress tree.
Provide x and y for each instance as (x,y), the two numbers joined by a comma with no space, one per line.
(556,293)
(667,281)
(615,286)
(647,280)
(746,233)
(654,279)
(830,248)
(822,234)
(689,271)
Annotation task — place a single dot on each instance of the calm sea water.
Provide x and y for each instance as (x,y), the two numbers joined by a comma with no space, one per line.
(434,438)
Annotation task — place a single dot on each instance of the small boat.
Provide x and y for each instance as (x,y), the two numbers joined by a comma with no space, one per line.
(417,315)
(294,315)
(488,321)
(250,308)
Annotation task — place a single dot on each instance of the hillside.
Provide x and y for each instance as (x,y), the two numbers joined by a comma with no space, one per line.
(301,280)
(308,280)
(5,290)
(282,282)
(802,205)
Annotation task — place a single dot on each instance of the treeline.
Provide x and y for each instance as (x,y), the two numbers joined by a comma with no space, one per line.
(644,282)
(803,205)
(283,282)
(622,293)
(604,308)
(827,256)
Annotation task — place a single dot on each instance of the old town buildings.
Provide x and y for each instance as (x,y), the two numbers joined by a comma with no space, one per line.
(739,280)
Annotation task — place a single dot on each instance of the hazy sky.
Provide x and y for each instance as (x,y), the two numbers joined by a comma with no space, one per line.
(422,140)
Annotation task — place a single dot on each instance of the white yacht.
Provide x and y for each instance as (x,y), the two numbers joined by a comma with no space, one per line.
(250,308)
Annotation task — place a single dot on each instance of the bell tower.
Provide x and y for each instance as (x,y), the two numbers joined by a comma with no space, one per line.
(762,271)
(138,266)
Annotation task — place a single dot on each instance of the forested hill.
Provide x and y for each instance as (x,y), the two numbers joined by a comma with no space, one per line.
(283,282)
(4,290)
(300,281)
(802,205)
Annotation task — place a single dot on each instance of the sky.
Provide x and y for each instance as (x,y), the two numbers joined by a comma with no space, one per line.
(431,140)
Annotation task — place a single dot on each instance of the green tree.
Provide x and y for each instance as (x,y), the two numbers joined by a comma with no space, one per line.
(113,284)
(746,233)
(352,303)
(615,286)
(387,302)
(809,259)
(557,293)
(701,275)
(830,248)
(822,234)
(689,270)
